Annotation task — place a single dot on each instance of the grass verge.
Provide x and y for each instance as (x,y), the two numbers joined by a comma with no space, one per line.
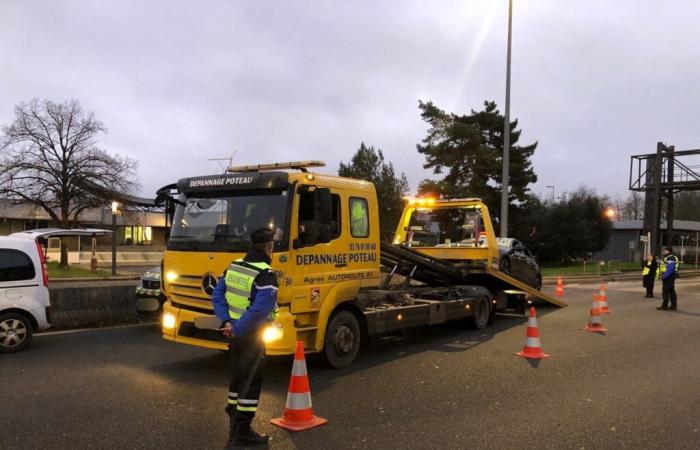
(56,271)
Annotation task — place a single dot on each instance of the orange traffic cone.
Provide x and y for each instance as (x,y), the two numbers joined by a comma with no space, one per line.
(298,414)
(603,301)
(532,348)
(559,292)
(595,324)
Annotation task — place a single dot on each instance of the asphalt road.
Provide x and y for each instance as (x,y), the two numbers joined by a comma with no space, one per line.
(638,386)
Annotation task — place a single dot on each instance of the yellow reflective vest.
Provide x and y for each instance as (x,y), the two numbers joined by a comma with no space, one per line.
(239,280)
(647,268)
(662,266)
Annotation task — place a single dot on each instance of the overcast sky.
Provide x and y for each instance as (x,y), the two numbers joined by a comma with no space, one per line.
(176,83)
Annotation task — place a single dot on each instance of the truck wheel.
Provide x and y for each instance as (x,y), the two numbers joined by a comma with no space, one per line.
(15,332)
(482,314)
(342,341)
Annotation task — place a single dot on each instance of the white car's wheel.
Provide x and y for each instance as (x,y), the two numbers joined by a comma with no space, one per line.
(15,332)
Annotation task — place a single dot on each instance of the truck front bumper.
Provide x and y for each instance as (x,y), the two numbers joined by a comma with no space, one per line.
(178,326)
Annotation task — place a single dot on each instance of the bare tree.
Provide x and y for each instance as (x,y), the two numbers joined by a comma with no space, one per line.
(630,207)
(49,153)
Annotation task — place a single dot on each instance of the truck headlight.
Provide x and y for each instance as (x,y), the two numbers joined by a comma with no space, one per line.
(272,333)
(169,320)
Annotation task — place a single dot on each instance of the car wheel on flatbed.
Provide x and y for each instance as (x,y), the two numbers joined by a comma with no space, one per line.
(482,314)
(15,332)
(505,266)
(342,341)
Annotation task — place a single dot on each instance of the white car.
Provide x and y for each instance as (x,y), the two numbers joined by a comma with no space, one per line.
(24,294)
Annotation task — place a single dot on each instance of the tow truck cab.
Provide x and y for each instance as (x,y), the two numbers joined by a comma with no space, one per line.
(326,247)
(459,231)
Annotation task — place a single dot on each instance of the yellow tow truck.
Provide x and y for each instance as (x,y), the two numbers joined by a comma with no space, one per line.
(328,256)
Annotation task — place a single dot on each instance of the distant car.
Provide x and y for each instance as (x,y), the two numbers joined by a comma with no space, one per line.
(149,298)
(25,307)
(517,261)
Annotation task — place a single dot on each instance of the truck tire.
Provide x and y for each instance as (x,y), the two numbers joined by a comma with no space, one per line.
(482,314)
(342,341)
(15,332)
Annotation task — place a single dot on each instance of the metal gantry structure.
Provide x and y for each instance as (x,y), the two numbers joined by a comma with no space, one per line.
(660,175)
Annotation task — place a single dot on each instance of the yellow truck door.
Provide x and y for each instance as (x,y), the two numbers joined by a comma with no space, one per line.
(316,264)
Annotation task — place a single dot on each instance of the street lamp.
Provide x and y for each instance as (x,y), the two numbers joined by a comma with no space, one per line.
(115,213)
(609,213)
(506,132)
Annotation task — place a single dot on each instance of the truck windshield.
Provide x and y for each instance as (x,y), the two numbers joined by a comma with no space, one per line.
(443,227)
(224,223)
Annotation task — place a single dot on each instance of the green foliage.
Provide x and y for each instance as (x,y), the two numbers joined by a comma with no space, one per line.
(55,270)
(368,164)
(570,229)
(467,150)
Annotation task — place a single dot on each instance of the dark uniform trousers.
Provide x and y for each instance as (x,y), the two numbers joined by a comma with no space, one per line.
(668,292)
(247,357)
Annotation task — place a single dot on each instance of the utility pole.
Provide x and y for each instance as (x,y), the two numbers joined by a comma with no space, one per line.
(506,133)
(656,201)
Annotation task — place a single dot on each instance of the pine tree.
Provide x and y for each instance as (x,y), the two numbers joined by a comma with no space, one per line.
(467,150)
(368,164)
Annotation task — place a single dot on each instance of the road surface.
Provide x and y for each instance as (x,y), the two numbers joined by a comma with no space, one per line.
(445,387)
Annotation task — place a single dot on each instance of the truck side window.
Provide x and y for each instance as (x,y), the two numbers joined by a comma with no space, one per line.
(307,232)
(359,217)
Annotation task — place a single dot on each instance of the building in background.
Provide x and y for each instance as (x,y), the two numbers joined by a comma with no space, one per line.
(625,243)
(138,230)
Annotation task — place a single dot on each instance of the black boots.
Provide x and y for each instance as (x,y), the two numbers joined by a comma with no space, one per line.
(246,436)
(241,435)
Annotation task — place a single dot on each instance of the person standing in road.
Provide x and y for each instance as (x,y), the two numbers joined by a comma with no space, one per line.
(245,299)
(650,269)
(669,273)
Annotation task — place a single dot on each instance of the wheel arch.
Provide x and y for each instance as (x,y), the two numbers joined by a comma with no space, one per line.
(22,312)
(351,307)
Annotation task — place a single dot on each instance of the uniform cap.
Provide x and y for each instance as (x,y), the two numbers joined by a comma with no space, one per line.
(261,236)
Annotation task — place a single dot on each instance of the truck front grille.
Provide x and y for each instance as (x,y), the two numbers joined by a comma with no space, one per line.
(187,329)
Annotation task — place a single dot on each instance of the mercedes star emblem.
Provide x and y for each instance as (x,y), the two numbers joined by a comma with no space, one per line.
(209,283)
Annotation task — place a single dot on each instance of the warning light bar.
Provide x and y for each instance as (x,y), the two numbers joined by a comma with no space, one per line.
(296,165)
(420,201)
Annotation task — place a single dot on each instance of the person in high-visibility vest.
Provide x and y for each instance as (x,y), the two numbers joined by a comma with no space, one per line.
(669,273)
(245,299)
(358,218)
(650,272)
